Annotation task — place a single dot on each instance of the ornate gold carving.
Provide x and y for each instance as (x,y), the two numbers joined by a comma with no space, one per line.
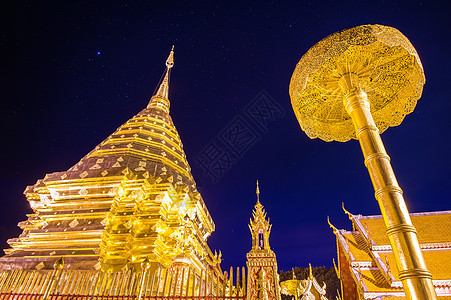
(74,223)
(261,260)
(377,59)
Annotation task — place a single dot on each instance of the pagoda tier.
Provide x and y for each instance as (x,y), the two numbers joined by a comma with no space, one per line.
(132,197)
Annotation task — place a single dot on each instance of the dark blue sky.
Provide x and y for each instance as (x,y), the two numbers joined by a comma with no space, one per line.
(74,72)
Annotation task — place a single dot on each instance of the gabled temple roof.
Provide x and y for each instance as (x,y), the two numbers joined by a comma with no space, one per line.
(370,258)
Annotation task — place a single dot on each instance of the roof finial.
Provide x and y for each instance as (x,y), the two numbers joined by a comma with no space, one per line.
(258,193)
(331,226)
(160,99)
(346,212)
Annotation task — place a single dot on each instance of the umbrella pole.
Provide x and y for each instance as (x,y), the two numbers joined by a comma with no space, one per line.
(415,277)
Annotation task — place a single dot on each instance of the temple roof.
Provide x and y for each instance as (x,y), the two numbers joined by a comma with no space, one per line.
(432,227)
(370,258)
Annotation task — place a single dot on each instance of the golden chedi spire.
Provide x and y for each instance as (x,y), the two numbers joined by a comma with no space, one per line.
(161,98)
(132,197)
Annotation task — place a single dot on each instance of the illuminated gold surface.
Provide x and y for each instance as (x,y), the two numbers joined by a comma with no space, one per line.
(263,277)
(367,257)
(176,281)
(432,228)
(348,85)
(259,222)
(308,289)
(290,288)
(377,59)
(127,216)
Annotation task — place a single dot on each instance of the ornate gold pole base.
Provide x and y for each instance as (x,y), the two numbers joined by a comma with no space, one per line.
(416,279)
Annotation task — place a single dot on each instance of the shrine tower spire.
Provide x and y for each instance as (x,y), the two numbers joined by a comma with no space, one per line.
(161,98)
(261,260)
(259,225)
(258,193)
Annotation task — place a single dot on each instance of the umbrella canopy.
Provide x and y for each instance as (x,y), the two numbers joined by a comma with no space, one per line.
(377,59)
(290,287)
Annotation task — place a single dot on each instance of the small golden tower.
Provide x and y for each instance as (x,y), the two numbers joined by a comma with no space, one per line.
(263,278)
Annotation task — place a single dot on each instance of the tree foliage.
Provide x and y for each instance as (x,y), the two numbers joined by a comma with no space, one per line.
(322,274)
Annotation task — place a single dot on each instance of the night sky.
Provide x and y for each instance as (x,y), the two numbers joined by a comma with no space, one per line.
(72,72)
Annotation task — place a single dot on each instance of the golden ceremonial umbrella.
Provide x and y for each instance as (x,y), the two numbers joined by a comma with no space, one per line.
(355,84)
(377,59)
(291,287)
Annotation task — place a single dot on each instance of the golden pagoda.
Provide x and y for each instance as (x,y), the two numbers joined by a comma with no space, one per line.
(125,220)
(263,277)
(366,264)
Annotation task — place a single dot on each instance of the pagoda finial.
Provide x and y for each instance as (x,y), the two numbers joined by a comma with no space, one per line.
(346,211)
(161,98)
(170,60)
(258,193)
(331,226)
